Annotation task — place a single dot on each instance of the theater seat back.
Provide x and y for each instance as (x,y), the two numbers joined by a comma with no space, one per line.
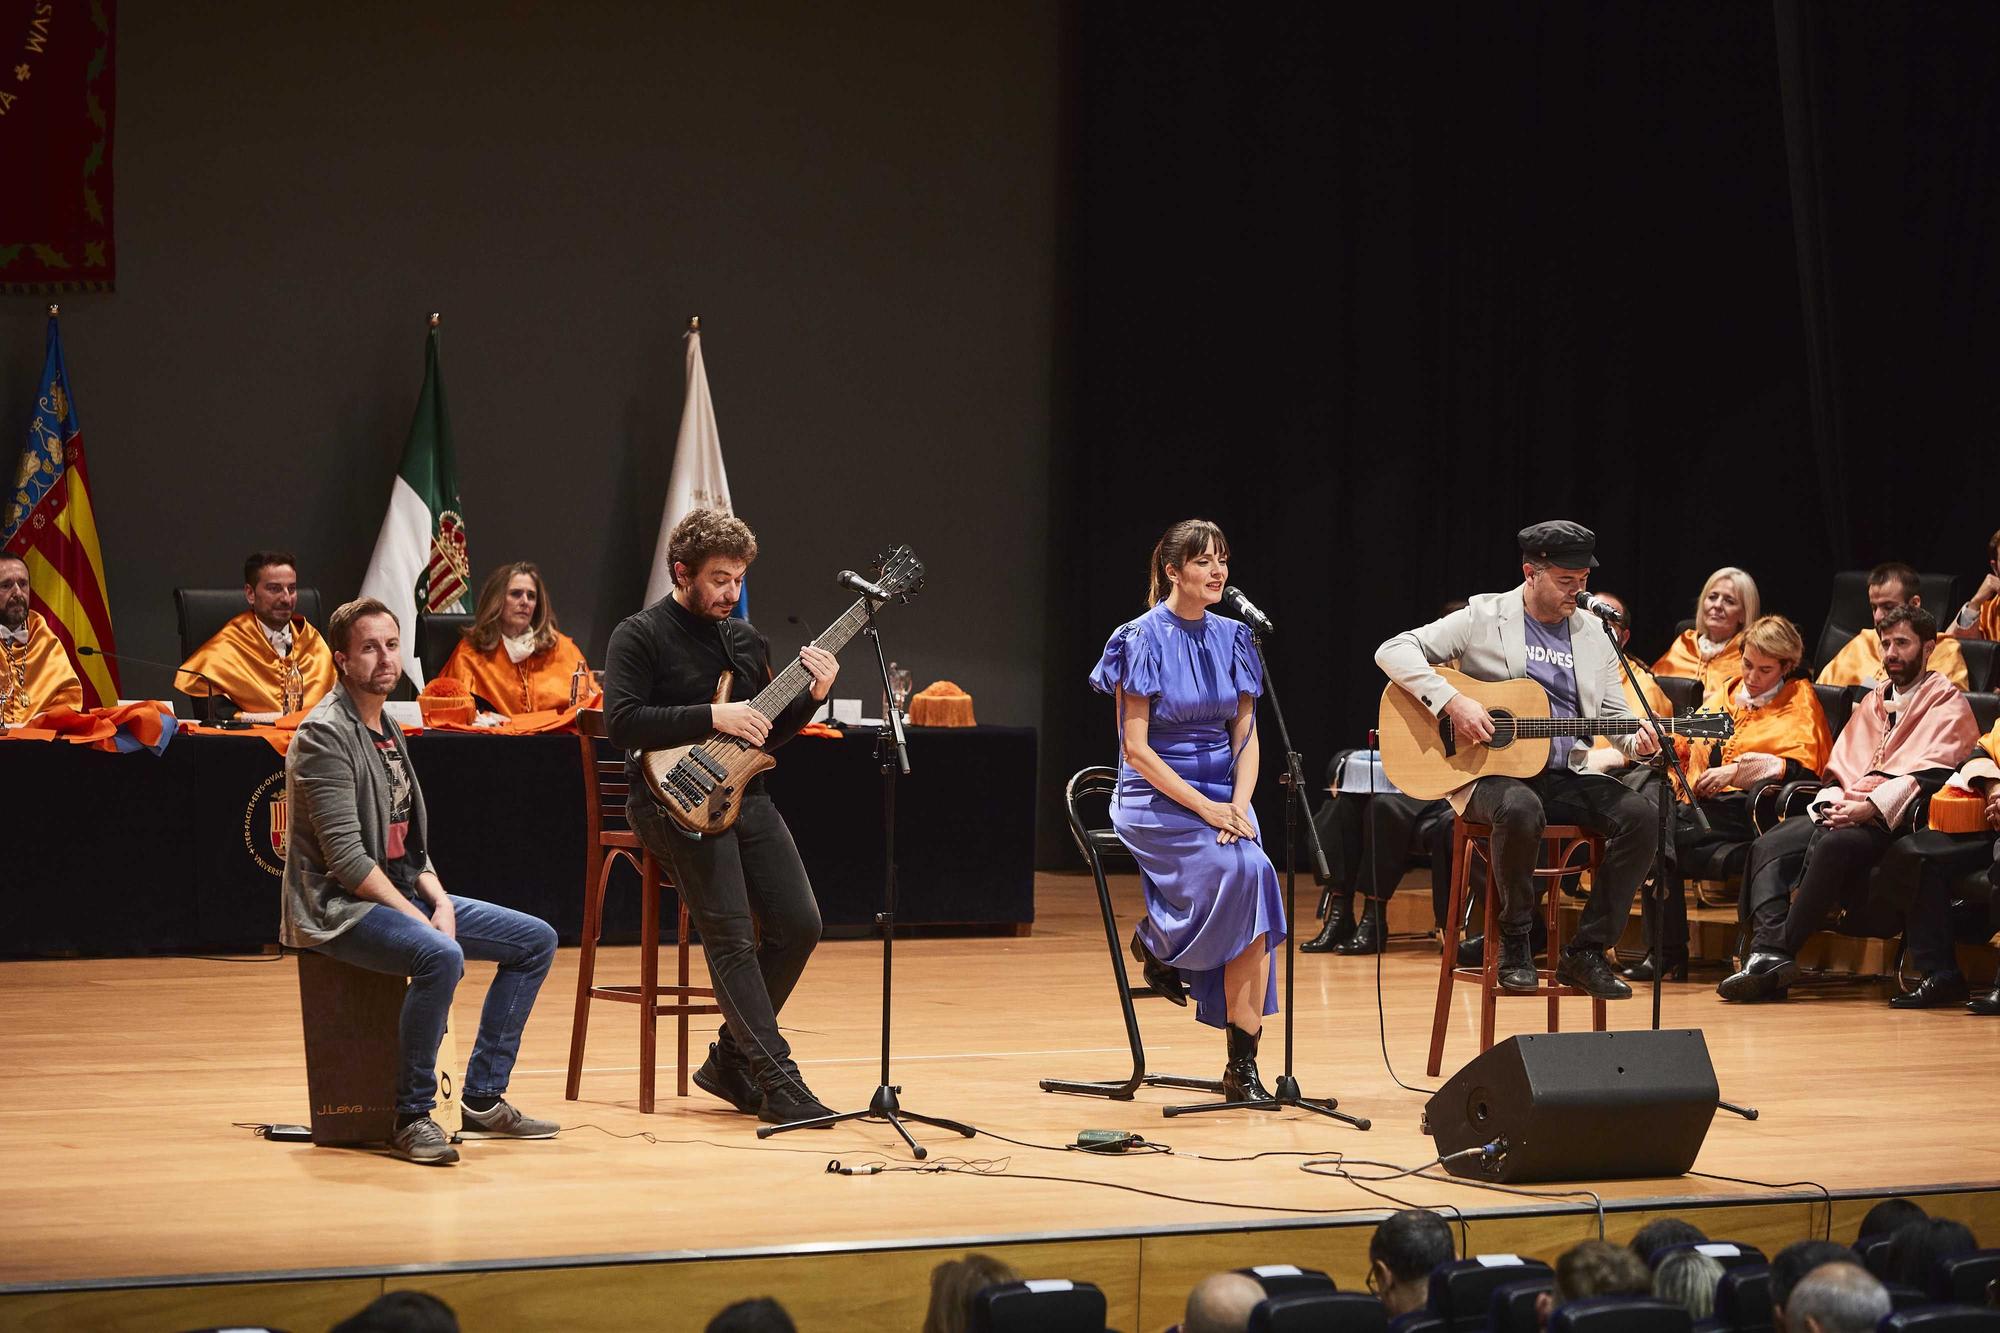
(1039,1305)
(1621,1314)
(200,612)
(1512,1308)
(1289,1279)
(1941,1319)
(1729,1253)
(1743,1299)
(1462,1289)
(1963,1278)
(1319,1312)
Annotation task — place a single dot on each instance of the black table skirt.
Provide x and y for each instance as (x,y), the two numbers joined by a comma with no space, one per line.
(135,853)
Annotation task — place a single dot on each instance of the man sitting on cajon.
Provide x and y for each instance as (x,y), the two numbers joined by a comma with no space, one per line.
(359,887)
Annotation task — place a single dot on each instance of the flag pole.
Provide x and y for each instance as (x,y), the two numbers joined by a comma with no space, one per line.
(694,325)
(53,308)
(434,319)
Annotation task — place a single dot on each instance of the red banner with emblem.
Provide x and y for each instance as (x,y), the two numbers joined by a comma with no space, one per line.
(56,103)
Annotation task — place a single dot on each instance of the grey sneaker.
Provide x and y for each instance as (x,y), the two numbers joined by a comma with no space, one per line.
(423,1142)
(502,1122)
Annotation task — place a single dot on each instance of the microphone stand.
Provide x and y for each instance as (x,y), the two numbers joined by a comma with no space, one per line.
(1670,769)
(892,751)
(208,705)
(1287,1094)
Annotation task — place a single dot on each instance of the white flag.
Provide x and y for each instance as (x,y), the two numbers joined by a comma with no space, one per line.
(698,480)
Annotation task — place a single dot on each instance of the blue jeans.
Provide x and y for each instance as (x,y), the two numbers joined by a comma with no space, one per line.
(385,940)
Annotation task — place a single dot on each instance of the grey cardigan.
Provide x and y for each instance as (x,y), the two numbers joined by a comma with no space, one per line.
(338,796)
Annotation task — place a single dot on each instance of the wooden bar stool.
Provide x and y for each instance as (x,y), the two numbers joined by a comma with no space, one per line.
(1559,842)
(610,838)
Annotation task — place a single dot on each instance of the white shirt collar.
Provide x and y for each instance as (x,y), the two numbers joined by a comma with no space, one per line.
(279,639)
(519,649)
(18,637)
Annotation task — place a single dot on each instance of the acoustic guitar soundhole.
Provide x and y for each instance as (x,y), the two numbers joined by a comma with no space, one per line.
(1503,730)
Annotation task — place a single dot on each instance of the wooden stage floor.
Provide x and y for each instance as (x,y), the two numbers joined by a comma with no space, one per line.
(125,1185)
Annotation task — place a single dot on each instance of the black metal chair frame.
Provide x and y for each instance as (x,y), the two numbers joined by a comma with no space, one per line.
(1095,844)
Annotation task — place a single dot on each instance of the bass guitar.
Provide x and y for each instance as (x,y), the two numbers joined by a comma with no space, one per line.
(1423,757)
(700,786)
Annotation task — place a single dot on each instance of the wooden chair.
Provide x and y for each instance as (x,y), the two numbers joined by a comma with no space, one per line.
(608,839)
(1559,843)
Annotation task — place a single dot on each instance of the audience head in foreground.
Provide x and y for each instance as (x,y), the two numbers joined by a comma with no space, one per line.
(1888,1217)
(1687,1278)
(1836,1298)
(1916,1247)
(1221,1303)
(1791,1264)
(759,1315)
(1594,1268)
(953,1285)
(1405,1248)
(401,1312)
(1661,1232)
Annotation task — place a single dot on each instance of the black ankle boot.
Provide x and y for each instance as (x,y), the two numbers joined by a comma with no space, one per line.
(1643,970)
(1339,926)
(1371,933)
(1239,1077)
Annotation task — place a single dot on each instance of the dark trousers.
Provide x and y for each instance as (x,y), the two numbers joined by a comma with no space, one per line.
(1924,869)
(738,885)
(1370,840)
(1730,827)
(1835,866)
(1519,811)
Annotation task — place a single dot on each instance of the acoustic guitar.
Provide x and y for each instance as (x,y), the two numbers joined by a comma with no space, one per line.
(700,786)
(1423,757)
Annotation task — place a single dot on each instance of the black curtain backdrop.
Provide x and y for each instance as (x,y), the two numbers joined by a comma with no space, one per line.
(1375,287)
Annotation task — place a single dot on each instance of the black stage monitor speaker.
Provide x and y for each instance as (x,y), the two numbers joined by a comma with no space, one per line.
(1578,1106)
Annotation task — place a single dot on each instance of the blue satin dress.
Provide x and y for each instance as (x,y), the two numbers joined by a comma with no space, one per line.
(1205,901)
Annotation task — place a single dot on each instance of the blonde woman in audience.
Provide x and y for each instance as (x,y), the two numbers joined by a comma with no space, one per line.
(1712,652)
(1687,1278)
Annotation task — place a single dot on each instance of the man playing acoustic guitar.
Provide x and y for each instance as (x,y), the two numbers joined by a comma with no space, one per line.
(1536,632)
(660,675)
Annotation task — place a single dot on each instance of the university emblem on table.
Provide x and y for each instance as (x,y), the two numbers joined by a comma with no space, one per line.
(265,820)
(449,573)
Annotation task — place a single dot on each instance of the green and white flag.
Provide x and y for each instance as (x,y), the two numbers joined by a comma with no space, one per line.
(420,562)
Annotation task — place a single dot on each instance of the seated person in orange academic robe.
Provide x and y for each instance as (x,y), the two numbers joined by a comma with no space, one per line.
(1924,871)
(1712,652)
(267,660)
(1904,739)
(35,673)
(513,658)
(1604,756)
(1860,662)
(1979,618)
(1781,735)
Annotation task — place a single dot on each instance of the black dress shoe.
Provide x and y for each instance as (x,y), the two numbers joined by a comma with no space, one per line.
(720,1076)
(1987,1004)
(1643,970)
(1590,972)
(1371,934)
(1764,974)
(1517,965)
(1933,992)
(1339,925)
(1163,979)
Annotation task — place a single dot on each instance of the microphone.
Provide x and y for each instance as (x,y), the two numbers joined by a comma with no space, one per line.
(1246,610)
(215,690)
(853,582)
(1601,607)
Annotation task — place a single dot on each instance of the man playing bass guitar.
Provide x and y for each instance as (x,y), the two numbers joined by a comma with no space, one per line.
(745,881)
(1536,632)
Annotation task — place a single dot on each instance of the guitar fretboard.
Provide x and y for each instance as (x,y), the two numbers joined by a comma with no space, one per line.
(1596,726)
(774,698)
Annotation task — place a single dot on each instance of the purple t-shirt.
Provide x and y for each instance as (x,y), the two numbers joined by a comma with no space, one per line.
(1552,665)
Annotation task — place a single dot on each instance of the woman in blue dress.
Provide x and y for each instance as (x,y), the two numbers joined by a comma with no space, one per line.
(1186,683)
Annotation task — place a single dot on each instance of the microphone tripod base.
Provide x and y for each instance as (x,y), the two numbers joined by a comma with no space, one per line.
(1286,1098)
(883,1108)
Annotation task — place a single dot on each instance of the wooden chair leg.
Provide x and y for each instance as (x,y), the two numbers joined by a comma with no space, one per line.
(681,948)
(586,970)
(1441,1020)
(1489,981)
(649,977)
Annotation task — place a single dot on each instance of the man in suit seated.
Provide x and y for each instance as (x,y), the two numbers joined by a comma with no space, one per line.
(1536,632)
(267,659)
(1908,729)
(1860,663)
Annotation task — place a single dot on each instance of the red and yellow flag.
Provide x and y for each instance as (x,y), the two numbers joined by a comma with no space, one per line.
(49,523)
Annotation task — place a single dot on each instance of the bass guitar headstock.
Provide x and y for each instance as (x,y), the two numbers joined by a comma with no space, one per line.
(899,573)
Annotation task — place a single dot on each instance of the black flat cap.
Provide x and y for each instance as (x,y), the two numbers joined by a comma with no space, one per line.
(1562,543)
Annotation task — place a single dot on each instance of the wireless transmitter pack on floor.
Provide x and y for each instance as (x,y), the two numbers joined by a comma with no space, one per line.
(288,1133)
(1107,1140)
